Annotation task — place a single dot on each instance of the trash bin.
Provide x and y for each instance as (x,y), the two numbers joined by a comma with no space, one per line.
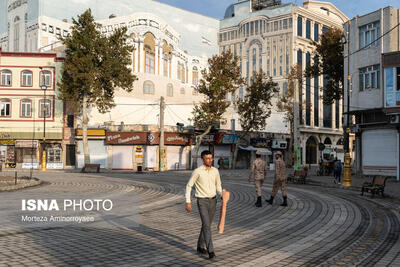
(139,168)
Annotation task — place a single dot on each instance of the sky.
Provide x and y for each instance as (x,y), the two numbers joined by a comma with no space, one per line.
(216,8)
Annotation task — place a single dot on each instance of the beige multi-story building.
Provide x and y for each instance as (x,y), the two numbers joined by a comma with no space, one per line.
(30,110)
(273,37)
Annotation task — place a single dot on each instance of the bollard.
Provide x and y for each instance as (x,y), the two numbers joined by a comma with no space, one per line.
(16,175)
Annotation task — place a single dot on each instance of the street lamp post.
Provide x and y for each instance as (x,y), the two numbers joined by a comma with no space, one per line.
(44,88)
(347,158)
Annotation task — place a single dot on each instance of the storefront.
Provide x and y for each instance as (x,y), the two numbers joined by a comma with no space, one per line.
(26,153)
(97,148)
(223,149)
(177,150)
(7,153)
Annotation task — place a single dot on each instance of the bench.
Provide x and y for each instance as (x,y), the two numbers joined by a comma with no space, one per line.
(298,177)
(376,187)
(91,166)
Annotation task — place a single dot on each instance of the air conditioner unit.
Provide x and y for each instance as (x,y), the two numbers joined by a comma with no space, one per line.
(394,119)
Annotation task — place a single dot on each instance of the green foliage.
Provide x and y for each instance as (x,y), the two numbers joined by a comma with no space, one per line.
(328,60)
(255,108)
(95,65)
(222,76)
(286,101)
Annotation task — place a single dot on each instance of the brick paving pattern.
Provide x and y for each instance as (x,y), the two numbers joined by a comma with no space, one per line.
(320,227)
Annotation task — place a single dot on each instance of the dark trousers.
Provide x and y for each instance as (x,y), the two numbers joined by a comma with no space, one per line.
(207,210)
(337,175)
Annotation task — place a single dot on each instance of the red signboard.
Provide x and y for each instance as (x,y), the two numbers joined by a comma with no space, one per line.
(119,138)
(178,139)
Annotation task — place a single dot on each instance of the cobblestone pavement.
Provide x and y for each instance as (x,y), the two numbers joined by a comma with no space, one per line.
(148,225)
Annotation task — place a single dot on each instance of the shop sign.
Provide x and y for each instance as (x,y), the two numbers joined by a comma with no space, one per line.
(29,165)
(139,152)
(153,138)
(91,132)
(127,138)
(208,139)
(7,142)
(26,143)
(54,165)
(260,142)
(228,139)
(178,139)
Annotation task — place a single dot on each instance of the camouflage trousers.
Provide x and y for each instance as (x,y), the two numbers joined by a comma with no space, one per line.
(259,184)
(279,184)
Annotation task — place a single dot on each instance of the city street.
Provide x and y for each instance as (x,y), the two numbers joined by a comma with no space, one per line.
(148,225)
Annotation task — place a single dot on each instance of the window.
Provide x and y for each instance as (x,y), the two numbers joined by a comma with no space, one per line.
(26,108)
(368,34)
(241,94)
(316,101)
(165,66)
(45,108)
(6,78)
(70,121)
(275,25)
(316,32)
(5,107)
(44,27)
(182,91)
(26,78)
(51,29)
(149,63)
(65,33)
(254,59)
(308,29)
(16,37)
(369,77)
(45,78)
(299,26)
(285,26)
(170,90)
(148,87)
(58,31)
(54,155)
(195,77)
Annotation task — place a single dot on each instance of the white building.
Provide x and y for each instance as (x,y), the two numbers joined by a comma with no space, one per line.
(374,98)
(273,37)
(169,54)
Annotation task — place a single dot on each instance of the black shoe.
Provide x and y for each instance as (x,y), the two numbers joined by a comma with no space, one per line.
(201,251)
(258,203)
(270,200)
(211,256)
(284,204)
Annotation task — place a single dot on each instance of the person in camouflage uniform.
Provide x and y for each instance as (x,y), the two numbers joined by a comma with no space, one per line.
(258,170)
(279,179)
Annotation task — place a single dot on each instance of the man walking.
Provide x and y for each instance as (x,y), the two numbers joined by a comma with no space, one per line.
(279,179)
(207,183)
(258,170)
(337,170)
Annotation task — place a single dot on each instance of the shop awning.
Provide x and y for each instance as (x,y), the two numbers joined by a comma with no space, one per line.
(248,148)
(264,151)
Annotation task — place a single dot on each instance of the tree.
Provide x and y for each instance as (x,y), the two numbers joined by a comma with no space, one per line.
(286,101)
(328,61)
(95,66)
(222,76)
(255,108)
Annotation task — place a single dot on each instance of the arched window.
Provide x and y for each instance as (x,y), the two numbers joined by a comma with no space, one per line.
(254,60)
(327,141)
(6,77)
(148,87)
(26,79)
(5,107)
(149,50)
(170,90)
(45,78)
(182,91)
(195,76)
(26,108)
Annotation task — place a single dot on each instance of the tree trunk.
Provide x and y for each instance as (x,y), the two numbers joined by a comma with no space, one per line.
(85,121)
(235,152)
(197,147)
(290,158)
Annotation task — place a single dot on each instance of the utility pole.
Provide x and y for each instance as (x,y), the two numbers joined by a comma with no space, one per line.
(296,120)
(161,144)
(347,158)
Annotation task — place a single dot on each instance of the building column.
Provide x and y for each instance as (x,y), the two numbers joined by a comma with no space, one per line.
(141,62)
(157,57)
